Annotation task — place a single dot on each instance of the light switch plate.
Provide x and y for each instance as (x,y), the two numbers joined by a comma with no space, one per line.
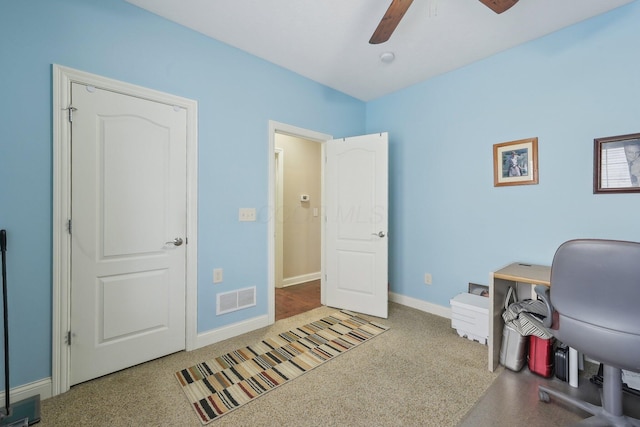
(247,214)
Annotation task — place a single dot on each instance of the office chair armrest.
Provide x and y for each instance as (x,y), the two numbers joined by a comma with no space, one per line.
(543,293)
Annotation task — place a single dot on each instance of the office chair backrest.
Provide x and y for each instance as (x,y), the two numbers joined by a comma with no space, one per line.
(598,282)
(595,291)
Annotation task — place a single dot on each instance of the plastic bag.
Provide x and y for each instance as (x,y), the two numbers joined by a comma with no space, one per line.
(525,316)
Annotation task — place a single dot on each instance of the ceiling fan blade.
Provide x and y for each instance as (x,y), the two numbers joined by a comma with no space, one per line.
(390,21)
(499,6)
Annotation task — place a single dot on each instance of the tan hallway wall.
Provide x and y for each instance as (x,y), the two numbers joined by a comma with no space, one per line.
(301,219)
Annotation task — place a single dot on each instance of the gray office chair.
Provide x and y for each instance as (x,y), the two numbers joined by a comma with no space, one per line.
(594,301)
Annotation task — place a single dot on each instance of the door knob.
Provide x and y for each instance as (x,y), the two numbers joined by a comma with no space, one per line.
(380,234)
(177,242)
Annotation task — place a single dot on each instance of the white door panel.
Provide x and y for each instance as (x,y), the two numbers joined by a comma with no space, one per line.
(144,226)
(123,318)
(128,201)
(356,175)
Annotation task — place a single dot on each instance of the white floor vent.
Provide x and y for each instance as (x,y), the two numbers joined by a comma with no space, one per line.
(235,300)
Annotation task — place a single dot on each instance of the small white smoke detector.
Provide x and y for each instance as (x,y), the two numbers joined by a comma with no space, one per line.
(387,57)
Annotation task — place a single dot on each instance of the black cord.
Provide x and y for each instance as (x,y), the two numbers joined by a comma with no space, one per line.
(3,249)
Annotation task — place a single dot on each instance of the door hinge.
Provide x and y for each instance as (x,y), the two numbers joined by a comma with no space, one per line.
(69,226)
(70,109)
(68,338)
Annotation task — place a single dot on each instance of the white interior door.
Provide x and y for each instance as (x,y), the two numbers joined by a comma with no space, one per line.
(128,208)
(356,179)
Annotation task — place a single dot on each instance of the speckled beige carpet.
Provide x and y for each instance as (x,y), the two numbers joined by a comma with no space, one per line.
(418,373)
(224,383)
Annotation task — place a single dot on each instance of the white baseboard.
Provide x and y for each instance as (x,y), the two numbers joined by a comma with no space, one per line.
(304,278)
(421,305)
(226,332)
(41,387)
(231,331)
(44,387)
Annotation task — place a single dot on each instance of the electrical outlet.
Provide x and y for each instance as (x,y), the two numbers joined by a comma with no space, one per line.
(247,214)
(217,275)
(427,278)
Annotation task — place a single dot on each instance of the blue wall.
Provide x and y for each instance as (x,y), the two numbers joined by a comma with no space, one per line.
(237,94)
(447,218)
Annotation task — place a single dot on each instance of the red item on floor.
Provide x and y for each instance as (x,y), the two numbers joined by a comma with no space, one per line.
(541,356)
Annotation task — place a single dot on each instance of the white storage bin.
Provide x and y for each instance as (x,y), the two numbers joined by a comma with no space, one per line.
(470,316)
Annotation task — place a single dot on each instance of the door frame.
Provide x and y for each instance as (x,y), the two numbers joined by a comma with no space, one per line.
(285,129)
(277,215)
(63,77)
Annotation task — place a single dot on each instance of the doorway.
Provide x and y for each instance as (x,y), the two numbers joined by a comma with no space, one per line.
(277,157)
(298,178)
(354,177)
(63,110)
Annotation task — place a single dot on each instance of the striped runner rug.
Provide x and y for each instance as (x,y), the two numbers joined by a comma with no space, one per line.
(222,384)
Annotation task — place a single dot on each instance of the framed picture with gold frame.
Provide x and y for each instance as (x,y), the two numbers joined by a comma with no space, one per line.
(616,164)
(515,162)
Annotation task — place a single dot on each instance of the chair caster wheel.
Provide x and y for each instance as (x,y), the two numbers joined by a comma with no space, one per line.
(543,396)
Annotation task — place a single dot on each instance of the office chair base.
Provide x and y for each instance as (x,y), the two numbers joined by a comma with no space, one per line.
(601,417)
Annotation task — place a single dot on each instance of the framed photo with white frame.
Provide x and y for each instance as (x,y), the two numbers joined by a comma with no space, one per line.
(515,162)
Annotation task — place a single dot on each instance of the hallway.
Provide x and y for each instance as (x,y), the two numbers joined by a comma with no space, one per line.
(297,299)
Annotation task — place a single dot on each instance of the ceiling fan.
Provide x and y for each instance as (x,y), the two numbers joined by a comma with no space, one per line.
(398,8)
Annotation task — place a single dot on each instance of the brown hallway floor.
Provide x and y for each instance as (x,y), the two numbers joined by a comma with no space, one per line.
(297,299)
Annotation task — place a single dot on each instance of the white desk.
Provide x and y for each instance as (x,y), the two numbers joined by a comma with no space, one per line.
(521,276)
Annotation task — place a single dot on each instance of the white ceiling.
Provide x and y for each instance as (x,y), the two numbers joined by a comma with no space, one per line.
(328,40)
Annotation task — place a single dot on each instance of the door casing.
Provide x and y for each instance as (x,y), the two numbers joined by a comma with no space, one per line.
(61,280)
(278,213)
